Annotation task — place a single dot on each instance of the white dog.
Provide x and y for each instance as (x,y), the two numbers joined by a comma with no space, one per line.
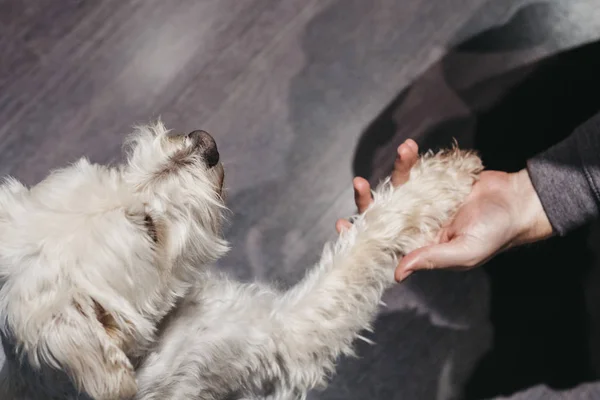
(106,291)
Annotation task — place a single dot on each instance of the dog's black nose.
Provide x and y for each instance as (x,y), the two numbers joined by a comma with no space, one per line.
(206,145)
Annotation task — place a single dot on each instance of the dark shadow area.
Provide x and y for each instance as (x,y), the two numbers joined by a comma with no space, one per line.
(538,304)
(47,377)
(380,132)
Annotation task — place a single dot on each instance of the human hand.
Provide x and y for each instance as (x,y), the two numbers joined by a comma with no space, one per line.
(502,211)
(407,155)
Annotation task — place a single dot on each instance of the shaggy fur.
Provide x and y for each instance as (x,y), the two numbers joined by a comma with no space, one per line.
(106,290)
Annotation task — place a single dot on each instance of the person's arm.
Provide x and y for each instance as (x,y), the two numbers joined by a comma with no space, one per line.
(566,178)
(557,192)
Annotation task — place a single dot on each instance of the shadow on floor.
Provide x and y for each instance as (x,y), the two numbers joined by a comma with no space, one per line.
(538,303)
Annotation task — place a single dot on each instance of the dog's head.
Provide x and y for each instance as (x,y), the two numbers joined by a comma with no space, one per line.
(179,179)
(93,257)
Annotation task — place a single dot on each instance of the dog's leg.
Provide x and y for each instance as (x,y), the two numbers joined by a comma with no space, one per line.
(230,340)
(324,314)
(81,340)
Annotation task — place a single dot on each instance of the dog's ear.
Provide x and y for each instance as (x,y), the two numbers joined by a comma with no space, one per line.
(86,343)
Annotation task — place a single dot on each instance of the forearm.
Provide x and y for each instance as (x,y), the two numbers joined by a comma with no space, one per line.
(532,224)
(566,178)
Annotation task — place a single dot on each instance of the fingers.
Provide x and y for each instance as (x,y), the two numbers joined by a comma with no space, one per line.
(362,194)
(408,153)
(342,224)
(362,198)
(444,255)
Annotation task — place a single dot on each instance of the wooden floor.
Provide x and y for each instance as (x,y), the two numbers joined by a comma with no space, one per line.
(300,96)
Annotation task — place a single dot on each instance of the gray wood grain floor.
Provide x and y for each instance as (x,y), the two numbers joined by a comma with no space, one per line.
(290,90)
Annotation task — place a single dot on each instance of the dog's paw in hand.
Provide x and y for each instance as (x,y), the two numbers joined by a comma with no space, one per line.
(407,155)
(408,209)
(409,216)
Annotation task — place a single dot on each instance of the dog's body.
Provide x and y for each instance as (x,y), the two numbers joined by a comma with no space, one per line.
(105,271)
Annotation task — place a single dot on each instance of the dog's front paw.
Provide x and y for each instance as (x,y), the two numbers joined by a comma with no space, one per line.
(409,216)
(86,344)
(125,386)
(118,379)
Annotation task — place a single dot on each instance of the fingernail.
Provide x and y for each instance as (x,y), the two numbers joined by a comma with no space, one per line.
(404,148)
(407,274)
(412,144)
(403,275)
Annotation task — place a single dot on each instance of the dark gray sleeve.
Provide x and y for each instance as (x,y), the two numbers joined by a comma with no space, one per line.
(566,177)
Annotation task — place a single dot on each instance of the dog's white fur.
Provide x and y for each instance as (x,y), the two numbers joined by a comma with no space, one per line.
(105,285)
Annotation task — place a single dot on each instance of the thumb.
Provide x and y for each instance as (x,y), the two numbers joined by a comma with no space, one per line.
(443,255)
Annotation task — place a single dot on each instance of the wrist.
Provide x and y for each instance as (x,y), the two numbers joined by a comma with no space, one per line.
(533,223)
